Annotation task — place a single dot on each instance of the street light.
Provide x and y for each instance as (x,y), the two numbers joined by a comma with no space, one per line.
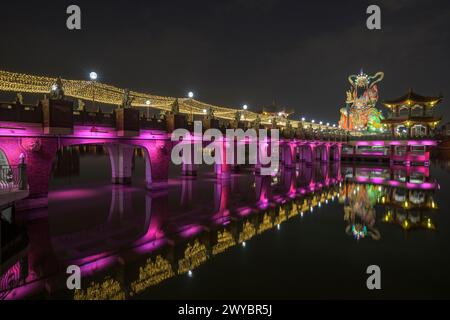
(303,119)
(245,107)
(191,95)
(147,103)
(93,76)
(313,121)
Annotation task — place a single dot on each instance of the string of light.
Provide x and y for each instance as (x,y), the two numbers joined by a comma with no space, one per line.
(111,95)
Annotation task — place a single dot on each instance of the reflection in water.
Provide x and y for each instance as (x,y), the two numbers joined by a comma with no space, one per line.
(359,210)
(128,240)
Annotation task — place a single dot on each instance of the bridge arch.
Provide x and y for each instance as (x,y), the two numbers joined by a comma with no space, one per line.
(157,157)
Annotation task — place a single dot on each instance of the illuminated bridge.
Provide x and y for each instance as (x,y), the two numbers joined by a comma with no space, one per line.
(31,135)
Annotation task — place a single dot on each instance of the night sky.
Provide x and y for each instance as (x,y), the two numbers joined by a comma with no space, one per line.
(298,53)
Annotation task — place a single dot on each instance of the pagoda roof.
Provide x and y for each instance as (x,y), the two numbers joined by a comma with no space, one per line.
(412,98)
(411,119)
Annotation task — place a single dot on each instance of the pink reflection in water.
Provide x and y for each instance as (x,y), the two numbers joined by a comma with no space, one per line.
(190,231)
(150,246)
(98,265)
(73,194)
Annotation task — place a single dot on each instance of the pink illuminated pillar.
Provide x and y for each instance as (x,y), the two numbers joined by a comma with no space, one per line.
(325,154)
(310,152)
(157,163)
(288,151)
(121,157)
(223,170)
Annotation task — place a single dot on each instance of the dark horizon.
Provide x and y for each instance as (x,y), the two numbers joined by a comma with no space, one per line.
(236,52)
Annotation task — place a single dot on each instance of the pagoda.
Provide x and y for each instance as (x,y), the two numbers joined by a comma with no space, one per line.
(412,115)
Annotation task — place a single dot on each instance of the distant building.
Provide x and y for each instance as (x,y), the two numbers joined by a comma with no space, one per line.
(412,115)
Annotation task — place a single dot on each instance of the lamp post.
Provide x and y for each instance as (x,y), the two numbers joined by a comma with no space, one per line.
(93,76)
(191,95)
(147,103)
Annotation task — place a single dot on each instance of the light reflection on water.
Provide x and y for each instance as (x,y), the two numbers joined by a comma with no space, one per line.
(132,243)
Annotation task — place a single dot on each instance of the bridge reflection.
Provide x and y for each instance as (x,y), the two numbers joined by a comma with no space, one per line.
(145,238)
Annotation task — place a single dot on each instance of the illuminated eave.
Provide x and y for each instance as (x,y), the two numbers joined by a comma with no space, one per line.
(412,99)
(412,120)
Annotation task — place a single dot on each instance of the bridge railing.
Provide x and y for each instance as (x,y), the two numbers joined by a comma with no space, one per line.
(9,178)
(16,112)
(391,137)
(20,113)
(306,134)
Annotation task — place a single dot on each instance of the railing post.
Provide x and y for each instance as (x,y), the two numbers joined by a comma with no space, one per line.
(23,181)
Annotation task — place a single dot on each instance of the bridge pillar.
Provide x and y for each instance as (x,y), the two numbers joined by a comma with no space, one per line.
(288,152)
(262,189)
(221,198)
(264,149)
(318,153)
(258,161)
(336,151)
(309,153)
(223,169)
(189,170)
(121,157)
(157,161)
(326,153)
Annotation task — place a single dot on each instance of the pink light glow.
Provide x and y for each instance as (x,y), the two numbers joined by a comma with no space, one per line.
(191,231)
(394,183)
(244,211)
(362,179)
(150,246)
(99,265)
(371,154)
(377,180)
(424,186)
(26,290)
(422,143)
(73,194)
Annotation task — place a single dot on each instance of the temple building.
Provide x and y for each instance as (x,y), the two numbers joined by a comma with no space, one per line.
(412,115)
